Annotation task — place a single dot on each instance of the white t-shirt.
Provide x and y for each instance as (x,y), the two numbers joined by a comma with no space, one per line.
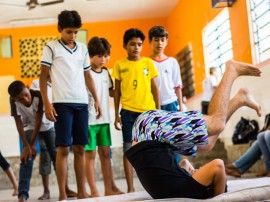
(35,86)
(209,85)
(28,114)
(169,78)
(103,83)
(67,71)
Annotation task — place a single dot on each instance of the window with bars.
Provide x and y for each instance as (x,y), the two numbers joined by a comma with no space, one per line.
(260,17)
(218,41)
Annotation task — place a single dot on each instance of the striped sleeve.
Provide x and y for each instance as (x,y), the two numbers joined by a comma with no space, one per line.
(47,57)
(13,108)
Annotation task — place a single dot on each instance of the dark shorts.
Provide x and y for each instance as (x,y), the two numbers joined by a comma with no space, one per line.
(172,107)
(71,126)
(205,105)
(160,174)
(128,118)
(3,162)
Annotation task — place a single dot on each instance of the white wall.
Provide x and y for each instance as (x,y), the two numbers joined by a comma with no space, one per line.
(259,87)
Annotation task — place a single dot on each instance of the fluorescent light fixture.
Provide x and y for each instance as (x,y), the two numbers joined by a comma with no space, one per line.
(30,21)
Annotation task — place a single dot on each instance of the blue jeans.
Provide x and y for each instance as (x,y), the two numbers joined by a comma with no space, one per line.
(264,144)
(128,119)
(250,157)
(25,172)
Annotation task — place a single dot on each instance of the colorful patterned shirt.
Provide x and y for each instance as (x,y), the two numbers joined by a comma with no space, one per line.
(183,130)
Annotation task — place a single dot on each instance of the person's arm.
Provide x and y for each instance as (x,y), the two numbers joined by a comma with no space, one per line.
(111,87)
(91,87)
(211,143)
(27,152)
(111,92)
(177,83)
(154,90)
(178,93)
(38,122)
(49,109)
(185,164)
(117,95)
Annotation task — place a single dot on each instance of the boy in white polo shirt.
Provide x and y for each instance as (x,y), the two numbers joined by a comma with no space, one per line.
(68,64)
(99,129)
(48,153)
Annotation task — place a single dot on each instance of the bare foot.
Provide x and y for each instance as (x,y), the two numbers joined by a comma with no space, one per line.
(117,190)
(241,69)
(95,194)
(231,166)
(71,193)
(82,196)
(45,196)
(248,100)
(21,199)
(263,173)
(15,192)
(131,190)
(109,193)
(268,175)
(233,172)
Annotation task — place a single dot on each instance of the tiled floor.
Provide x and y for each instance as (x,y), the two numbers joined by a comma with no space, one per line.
(35,192)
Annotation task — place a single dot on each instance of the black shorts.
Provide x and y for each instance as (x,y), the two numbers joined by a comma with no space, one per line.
(3,163)
(160,174)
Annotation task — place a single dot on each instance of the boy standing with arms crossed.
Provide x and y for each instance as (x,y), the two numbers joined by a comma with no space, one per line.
(67,62)
(136,88)
(169,80)
(99,129)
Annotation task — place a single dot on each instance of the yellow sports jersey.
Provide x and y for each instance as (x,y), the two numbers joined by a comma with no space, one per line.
(135,78)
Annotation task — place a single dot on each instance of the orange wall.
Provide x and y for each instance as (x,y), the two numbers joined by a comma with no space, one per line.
(113,31)
(185,25)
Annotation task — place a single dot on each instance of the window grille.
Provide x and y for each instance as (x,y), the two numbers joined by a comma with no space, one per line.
(218,41)
(260,17)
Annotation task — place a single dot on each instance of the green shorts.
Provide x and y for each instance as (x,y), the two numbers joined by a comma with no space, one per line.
(98,135)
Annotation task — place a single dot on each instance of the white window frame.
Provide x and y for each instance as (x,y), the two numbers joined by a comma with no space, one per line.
(259,15)
(217,40)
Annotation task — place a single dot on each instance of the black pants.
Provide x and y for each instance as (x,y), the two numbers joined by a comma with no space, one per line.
(160,174)
(205,105)
(3,162)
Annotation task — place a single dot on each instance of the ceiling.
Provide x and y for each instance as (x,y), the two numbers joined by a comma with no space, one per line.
(19,14)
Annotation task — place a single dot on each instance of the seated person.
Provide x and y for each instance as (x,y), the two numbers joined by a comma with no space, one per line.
(159,135)
(260,147)
(8,170)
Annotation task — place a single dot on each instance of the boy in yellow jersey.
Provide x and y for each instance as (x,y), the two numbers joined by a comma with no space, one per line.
(135,87)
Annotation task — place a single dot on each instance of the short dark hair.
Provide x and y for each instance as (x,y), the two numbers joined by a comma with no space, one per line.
(131,33)
(69,19)
(15,88)
(157,31)
(212,69)
(98,46)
